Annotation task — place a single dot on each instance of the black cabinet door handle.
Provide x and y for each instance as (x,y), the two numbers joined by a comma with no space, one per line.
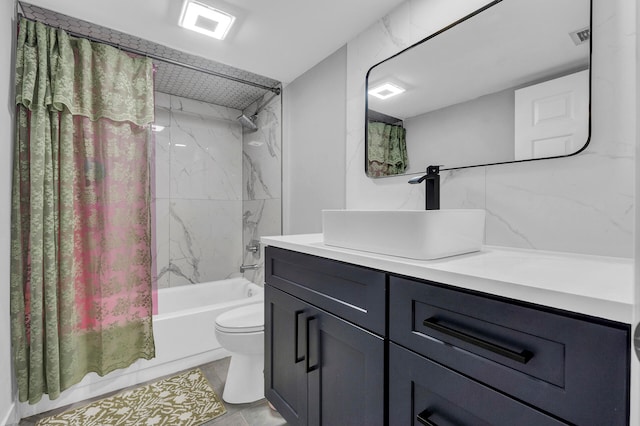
(313,344)
(522,356)
(424,418)
(300,337)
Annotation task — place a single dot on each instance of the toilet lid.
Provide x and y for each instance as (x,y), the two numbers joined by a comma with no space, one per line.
(246,319)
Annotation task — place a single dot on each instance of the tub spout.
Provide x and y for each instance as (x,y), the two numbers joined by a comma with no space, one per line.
(248,267)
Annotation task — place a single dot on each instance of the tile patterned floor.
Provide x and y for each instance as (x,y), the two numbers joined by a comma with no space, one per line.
(254,414)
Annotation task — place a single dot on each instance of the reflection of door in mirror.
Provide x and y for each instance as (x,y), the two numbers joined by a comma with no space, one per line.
(551,118)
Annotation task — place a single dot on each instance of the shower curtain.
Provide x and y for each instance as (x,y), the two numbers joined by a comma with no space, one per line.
(386,149)
(80,233)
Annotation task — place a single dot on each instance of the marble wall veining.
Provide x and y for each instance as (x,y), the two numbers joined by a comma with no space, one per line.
(262,180)
(582,204)
(217,187)
(198,192)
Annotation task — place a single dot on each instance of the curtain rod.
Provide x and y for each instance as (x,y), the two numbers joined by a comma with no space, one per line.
(275,90)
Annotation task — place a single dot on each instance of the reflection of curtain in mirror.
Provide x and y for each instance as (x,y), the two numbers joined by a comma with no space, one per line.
(386,150)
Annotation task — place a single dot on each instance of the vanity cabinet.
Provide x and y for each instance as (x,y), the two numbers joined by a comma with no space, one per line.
(321,368)
(350,345)
(493,357)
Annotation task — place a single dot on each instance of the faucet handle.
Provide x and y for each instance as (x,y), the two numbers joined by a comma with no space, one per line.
(253,246)
(433,169)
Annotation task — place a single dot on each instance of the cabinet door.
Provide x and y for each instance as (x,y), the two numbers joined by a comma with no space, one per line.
(346,373)
(285,367)
(320,369)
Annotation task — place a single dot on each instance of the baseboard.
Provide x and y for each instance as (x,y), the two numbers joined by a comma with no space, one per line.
(11,418)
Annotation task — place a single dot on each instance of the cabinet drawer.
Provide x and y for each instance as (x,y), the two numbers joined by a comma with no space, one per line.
(421,387)
(572,367)
(351,292)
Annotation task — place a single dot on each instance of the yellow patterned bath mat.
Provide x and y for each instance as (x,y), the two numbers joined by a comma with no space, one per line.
(183,400)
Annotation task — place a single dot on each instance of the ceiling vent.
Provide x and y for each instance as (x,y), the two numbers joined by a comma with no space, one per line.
(581,36)
(206,20)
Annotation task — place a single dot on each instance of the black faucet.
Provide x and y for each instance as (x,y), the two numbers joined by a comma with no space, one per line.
(432,194)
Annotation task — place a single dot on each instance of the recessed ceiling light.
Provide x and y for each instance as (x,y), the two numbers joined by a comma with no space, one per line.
(386,90)
(206,20)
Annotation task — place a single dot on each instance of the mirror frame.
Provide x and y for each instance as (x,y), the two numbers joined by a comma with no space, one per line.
(435,34)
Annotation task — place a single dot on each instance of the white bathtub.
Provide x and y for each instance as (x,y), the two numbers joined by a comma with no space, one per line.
(185,324)
(184,336)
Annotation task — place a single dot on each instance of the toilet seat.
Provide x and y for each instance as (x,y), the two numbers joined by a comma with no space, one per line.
(246,319)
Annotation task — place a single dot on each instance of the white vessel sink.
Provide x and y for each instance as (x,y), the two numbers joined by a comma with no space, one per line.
(413,234)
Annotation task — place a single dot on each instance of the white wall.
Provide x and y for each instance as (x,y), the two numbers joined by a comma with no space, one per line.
(582,204)
(314,163)
(7,31)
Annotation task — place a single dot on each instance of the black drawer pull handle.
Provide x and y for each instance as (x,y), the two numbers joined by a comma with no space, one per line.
(424,418)
(313,344)
(522,357)
(300,337)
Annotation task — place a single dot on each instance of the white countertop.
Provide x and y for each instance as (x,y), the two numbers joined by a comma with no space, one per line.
(592,285)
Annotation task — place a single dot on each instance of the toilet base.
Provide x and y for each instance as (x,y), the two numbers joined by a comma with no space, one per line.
(245,379)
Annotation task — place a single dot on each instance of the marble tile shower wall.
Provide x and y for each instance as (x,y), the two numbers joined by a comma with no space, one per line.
(262,180)
(581,204)
(198,192)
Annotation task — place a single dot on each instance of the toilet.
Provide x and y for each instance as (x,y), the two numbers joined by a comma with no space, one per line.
(241,332)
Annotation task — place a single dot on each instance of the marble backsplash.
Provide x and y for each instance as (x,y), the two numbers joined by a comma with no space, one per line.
(581,204)
(206,209)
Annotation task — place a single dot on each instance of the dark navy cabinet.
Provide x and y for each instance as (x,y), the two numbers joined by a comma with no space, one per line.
(574,369)
(423,392)
(347,345)
(321,369)
(285,366)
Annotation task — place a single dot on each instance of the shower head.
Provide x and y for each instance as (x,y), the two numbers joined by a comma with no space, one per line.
(248,122)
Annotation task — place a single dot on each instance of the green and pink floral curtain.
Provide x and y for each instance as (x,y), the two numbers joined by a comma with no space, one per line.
(81,285)
(386,149)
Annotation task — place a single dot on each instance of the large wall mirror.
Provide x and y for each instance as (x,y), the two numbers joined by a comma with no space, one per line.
(510,82)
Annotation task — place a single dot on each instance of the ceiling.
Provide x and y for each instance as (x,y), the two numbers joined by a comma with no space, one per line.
(195,78)
(279,39)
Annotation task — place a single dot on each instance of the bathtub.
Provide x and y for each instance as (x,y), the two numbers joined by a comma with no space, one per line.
(184,337)
(185,324)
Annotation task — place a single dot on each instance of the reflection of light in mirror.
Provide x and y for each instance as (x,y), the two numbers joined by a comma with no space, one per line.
(181,145)
(386,90)
(255,143)
(157,128)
